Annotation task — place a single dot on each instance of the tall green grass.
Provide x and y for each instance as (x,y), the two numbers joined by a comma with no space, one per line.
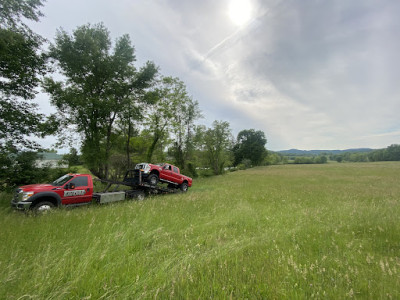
(291,231)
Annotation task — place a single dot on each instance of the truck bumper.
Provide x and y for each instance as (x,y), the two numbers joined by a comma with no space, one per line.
(21,205)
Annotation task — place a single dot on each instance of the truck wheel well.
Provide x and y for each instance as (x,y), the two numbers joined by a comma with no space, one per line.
(42,199)
(155,172)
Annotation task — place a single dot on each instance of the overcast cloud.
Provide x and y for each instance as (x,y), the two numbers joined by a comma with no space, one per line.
(310,74)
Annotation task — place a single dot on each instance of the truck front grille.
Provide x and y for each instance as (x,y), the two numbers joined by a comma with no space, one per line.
(18,195)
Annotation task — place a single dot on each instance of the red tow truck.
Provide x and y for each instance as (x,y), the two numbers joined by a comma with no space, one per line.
(77,190)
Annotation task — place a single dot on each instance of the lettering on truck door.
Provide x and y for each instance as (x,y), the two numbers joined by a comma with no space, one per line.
(80,194)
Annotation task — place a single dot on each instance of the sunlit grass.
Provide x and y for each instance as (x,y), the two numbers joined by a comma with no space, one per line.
(292,231)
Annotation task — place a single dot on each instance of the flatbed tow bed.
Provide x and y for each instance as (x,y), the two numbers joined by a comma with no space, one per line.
(139,188)
(77,189)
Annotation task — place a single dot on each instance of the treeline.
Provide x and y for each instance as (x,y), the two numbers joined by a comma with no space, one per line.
(391,153)
(120,113)
(275,158)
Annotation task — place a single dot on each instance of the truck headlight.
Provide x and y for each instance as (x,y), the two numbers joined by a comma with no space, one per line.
(27,195)
(146,169)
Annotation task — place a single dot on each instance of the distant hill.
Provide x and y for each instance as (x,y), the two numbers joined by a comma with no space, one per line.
(318,152)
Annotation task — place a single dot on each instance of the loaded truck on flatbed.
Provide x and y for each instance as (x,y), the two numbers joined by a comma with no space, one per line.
(153,173)
(77,190)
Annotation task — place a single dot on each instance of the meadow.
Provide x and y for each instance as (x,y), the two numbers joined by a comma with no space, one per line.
(279,232)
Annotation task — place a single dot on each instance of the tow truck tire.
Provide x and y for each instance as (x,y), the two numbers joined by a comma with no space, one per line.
(153,179)
(184,187)
(43,206)
(140,197)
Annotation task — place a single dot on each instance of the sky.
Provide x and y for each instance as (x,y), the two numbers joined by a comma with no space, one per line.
(310,74)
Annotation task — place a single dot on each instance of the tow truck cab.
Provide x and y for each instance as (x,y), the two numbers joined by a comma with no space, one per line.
(70,189)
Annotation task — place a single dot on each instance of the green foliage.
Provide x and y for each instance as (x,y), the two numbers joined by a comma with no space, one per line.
(20,168)
(18,119)
(187,112)
(321,159)
(250,144)
(190,170)
(339,158)
(21,65)
(72,158)
(101,86)
(245,164)
(274,158)
(167,98)
(13,11)
(283,232)
(391,153)
(206,172)
(304,160)
(216,143)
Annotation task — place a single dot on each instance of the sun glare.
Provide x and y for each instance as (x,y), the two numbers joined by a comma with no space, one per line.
(240,11)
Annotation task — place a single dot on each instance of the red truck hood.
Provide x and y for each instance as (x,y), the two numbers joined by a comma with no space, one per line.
(38,187)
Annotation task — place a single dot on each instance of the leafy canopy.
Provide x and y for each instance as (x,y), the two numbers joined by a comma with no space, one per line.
(250,145)
(21,66)
(101,85)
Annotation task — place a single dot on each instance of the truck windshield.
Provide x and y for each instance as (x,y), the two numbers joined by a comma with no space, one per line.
(63,179)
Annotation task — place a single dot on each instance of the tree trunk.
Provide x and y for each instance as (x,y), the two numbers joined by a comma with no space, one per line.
(150,151)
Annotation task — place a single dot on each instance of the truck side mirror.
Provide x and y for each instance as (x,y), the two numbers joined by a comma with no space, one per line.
(70,186)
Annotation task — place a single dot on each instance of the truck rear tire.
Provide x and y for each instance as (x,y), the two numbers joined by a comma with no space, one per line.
(153,179)
(184,187)
(43,206)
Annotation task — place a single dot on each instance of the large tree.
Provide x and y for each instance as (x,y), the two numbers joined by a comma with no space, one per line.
(167,98)
(101,84)
(250,144)
(216,144)
(21,65)
(185,114)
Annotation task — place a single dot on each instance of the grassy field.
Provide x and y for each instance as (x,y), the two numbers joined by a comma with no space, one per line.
(292,231)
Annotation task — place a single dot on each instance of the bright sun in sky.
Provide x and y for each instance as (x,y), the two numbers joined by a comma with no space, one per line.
(240,11)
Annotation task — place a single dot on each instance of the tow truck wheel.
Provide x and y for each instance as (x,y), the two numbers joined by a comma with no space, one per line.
(140,197)
(153,179)
(44,206)
(184,187)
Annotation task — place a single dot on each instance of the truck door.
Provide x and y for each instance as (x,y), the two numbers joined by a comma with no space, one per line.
(167,173)
(176,176)
(77,190)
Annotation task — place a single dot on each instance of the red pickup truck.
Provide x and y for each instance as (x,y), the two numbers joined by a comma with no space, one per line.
(167,173)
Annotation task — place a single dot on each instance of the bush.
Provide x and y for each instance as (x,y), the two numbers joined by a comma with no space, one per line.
(190,171)
(206,173)
(245,164)
(303,160)
(20,168)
